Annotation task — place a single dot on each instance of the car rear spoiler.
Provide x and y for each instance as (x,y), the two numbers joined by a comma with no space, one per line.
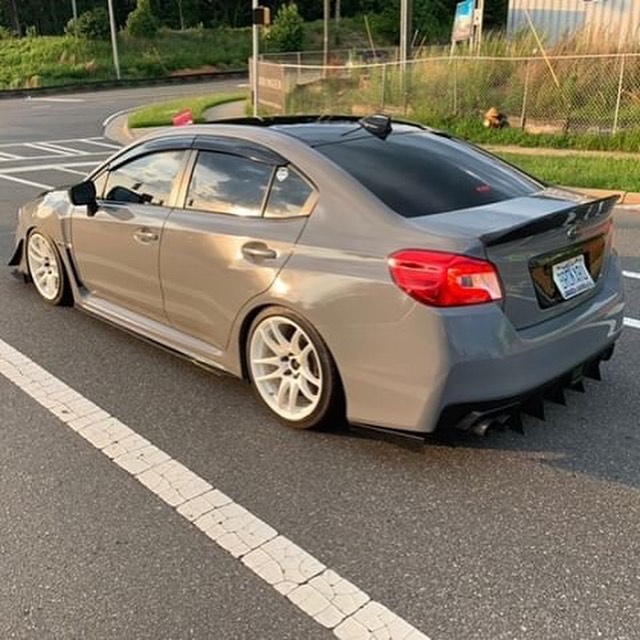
(572,216)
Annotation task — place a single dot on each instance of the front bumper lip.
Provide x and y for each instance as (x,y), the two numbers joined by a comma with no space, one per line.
(481,417)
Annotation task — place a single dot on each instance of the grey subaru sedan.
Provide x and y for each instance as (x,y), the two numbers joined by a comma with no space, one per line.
(362,268)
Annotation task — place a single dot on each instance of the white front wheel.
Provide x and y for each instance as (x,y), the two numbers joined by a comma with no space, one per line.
(45,268)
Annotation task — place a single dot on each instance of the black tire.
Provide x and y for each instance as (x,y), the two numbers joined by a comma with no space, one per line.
(330,409)
(62,294)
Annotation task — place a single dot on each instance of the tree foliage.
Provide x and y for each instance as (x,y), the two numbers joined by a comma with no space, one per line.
(287,31)
(431,17)
(141,22)
(92,25)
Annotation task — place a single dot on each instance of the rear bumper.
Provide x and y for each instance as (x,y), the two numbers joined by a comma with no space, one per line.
(448,363)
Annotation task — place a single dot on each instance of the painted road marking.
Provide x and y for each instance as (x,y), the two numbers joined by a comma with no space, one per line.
(67,170)
(48,167)
(332,601)
(630,322)
(54,99)
(29,183)
(9,156)
(67,150)
(98,142)
(41,147)
(631,274)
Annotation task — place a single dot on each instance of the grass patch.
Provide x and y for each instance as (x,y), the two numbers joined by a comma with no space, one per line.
(473,131)
(619,174)
(160,114)
(55,60)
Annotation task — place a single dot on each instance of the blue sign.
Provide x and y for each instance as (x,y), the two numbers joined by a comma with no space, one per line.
(463,21)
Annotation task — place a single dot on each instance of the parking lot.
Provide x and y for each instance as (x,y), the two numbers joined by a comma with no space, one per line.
(509,537)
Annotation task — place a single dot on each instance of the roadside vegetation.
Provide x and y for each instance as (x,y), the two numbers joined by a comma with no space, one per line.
(618,174)
(161,114)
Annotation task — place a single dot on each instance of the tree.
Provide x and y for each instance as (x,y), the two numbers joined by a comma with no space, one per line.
(287,31)
(92,25)
(141,22)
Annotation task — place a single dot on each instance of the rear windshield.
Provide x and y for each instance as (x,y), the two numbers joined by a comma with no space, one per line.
(418,174)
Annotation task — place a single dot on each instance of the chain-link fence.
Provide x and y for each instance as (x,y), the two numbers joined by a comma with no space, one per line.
(599,93)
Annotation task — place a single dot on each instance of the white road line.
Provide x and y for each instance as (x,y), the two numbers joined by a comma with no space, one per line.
(29,183)
(99,143)
(48,167)
(39,147)
(30,99)
(630,322)
(57,147)
(18,143)
(67,170)
(54,99)
(329,599)
(631,274)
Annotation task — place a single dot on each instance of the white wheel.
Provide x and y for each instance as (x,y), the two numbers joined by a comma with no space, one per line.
(45,268)
(286,368)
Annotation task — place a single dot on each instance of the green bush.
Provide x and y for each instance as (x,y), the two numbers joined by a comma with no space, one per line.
(6,34)
(287,32)
(141,22)
(91,25)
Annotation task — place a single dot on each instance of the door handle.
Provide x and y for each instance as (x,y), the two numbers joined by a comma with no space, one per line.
(145,235)
(258,251)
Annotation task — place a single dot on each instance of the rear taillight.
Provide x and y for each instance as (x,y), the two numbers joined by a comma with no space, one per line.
(444,279)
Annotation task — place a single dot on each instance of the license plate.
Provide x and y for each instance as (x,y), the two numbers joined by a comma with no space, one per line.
(572,277)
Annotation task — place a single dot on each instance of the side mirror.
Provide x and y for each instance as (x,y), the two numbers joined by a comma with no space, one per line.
(84,194)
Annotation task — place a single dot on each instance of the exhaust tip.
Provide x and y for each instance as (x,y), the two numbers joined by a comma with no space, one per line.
(481,428)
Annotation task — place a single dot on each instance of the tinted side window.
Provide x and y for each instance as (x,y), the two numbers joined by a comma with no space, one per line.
(289,196)
(148,179)
(417,174)
(223,183)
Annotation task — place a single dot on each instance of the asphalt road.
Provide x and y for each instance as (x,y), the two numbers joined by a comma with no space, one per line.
(510,537)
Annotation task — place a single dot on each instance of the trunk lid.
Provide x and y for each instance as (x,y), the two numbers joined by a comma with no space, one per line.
(542,246)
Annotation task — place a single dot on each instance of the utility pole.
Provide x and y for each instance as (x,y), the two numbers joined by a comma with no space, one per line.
(406,10)
(478,20)
(255,37)
(325,37)
(114,39)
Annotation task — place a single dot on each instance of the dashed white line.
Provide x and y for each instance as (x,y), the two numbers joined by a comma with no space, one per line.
(630,322)
(30,99)
(29,183)
(631,274)
(329,599)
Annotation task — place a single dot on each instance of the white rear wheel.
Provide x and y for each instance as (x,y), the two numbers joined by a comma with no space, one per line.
(292,370)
